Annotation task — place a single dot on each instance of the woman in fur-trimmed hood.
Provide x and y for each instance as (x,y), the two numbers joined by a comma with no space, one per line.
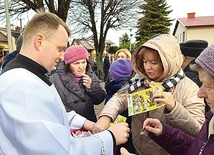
(158,61)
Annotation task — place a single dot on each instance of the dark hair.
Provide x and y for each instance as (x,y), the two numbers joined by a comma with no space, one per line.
(19,43)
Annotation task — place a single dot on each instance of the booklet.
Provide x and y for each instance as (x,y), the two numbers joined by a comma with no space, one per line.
(119,119)
(141,101)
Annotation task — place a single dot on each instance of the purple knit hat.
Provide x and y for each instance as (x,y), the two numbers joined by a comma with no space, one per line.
(206,59)
(74,53)
(121,68)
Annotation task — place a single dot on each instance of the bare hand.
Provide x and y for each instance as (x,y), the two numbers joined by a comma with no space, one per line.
(102,124)
(86,81)
(120,132)
(88,125)
(123,151)
(152,125)
(165,97)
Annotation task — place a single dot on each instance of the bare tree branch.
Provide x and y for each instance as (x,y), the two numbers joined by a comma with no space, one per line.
(88,18)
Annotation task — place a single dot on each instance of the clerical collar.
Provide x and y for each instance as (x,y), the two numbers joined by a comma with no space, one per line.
(22,61)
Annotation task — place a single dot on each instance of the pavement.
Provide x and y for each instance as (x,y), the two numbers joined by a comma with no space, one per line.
(98,108)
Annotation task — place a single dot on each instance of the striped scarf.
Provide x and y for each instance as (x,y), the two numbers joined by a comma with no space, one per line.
(136,83)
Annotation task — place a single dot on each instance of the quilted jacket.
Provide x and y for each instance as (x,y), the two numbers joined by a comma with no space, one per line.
(75,96)
(187,115)
(177,143)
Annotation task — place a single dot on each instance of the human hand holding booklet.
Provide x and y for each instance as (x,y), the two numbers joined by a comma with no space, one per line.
(141,101)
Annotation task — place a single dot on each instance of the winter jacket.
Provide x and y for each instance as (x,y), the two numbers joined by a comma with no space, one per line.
(106,66)
(8,58)
(178,143)
(113,86)
(188,113)
(75,96)
(193,75)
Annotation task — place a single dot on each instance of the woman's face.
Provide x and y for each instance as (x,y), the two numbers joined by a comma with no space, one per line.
(152,64)
(79,67)
(206,91)
(121,55)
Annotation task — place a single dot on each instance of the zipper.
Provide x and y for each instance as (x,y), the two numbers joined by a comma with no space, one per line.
(203,146)
(209,137)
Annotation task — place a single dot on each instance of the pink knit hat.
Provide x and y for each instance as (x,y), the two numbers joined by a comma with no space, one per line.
(74,53)
(206,59)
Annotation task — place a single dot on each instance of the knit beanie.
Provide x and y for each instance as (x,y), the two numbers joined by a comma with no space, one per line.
(74,53)
(121,68)
(206,59)
(193,48)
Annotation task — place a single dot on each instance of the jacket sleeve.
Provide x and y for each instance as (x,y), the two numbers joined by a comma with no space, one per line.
(55,79)
(174,141)
(117,104)
(96,92)
(35,122)
(189,112)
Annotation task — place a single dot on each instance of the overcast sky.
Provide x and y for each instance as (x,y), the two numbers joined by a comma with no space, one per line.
(180,9)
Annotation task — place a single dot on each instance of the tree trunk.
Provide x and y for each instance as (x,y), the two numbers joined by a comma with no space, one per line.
(99,57)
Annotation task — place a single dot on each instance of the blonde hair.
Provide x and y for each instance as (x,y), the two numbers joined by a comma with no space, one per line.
(124,50)
(44,22)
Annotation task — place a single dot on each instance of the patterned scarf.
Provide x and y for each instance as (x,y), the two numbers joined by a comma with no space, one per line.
(76,77)
(136,83)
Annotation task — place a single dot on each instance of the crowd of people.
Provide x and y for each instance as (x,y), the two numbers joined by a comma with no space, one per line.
(39,113)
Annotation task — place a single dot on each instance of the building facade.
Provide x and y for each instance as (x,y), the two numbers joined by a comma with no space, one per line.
(193,27)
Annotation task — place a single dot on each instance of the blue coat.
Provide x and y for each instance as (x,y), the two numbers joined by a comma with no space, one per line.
(113,86)
(8,58)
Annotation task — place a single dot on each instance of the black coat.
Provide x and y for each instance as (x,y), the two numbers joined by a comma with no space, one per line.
(8,58)
(193,75)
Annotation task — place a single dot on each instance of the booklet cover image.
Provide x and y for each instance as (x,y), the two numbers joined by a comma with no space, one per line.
(119,119)
(141,101)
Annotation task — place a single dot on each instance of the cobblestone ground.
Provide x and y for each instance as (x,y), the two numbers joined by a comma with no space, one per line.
(98,108)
